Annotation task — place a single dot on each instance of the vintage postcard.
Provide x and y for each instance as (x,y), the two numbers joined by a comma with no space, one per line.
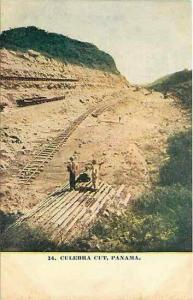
(96,150)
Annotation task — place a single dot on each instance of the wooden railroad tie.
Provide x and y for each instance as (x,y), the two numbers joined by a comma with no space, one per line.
(36,165)
(66,214)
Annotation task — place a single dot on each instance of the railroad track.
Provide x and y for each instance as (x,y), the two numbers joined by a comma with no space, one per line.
(24,78)
(37,100)
(100,110)
(66,214)
(46,153)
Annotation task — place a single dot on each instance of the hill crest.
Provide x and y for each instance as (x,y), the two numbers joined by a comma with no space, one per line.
(178,83)
(58,47)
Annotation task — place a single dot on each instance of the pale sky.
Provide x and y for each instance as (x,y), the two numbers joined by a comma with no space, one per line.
(147,39)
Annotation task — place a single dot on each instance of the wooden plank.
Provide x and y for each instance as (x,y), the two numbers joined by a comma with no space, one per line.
(42,204)
(64,202)
(91,194)
(98,208)
(119,191)
(69,223)
(125,201)
(89,210)
(54,231)
(44,216)
(69,208)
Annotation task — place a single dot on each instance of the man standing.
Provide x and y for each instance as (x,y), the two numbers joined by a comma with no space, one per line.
(72,168)
(95,174)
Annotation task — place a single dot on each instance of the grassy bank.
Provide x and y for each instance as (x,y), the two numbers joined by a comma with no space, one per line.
(157,221)
(179,84)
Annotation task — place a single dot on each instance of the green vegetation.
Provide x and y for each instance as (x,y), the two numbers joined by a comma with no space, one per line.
(158,221)
(179,84)
(57,46)
(179,168)
(6,220)
(172,79)
(25,238)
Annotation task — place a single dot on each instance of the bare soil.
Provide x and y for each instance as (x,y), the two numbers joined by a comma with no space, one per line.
(129,140)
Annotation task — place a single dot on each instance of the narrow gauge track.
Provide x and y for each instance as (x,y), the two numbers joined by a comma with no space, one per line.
(46,153)
(37,100)
(36,165)
(65,214)
(23,78)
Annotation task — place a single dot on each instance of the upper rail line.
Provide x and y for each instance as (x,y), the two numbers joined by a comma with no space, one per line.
(22,78)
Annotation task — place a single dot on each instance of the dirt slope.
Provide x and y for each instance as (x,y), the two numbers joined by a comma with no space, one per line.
(35,64)
(130,151)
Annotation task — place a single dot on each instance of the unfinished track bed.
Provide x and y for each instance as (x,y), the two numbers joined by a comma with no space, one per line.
(66,214)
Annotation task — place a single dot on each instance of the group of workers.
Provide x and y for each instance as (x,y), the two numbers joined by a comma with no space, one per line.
(73,169)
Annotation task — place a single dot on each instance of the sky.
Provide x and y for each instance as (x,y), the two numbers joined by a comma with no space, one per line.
(147,39)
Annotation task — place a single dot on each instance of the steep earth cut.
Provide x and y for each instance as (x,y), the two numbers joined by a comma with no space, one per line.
(178,85)
(129,140)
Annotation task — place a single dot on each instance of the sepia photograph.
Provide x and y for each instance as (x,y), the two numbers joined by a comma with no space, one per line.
(96,150)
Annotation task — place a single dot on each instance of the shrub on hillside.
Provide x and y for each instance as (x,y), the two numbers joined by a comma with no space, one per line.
(159,221)
(179,84)
(179,167)
(57,46)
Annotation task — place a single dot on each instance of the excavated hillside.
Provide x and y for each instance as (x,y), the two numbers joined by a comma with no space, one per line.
(25,129)
(34,64)
(57,46)
(178,85)
(129,139)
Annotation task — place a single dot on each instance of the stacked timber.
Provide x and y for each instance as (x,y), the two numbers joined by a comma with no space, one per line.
(67,214)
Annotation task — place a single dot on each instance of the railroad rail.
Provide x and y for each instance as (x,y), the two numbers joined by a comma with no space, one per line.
(37,100)
(46,153)
(100,110)
(66,214)
(24,78)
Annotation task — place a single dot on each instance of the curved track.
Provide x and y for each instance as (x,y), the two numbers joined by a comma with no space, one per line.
(47,151)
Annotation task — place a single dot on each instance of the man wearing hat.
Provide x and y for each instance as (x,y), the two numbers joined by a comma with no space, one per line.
(72,168)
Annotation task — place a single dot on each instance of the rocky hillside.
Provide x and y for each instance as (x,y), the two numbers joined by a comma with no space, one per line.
(129,139)
(57,46)
(35,64)
(178,84)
